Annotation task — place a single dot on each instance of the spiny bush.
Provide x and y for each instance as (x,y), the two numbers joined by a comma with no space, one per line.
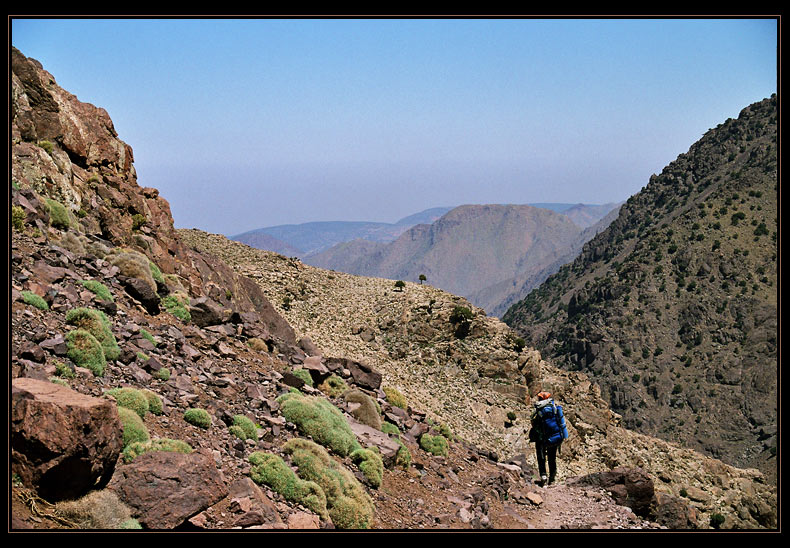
(243,428)
(134,429)
(58,380)
(98,325)
(367,412)
(130,398)
(371,465)
(333,386)
(98,510)
(198,417)
(271,470)
(394,397)
(134,264)
(85,351)
(135,449)
(99,289)
(304,375)
(177,304)
(58,214)
(436,445)
(154,402)
(34,300)
(349,506)
(319,419)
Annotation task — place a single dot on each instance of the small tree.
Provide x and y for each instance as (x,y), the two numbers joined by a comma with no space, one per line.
(422,278)
(399,285)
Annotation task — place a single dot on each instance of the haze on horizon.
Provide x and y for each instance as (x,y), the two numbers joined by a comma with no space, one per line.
(246,123)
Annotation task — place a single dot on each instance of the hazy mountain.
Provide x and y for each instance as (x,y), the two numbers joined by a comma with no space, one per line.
(673,308)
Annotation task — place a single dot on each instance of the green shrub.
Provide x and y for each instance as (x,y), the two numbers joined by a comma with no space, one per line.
(319,419)
(130,398)
(333,386)
(98,325)
(138,220)
(716,520)
(156,274)
(130,524)
(389,428)
(18,217)
(63,370)
(369,462)
(394,397)
(147,336)
(243,428)
(399,285)
(142,356)
(177,304)
(304,375)
(46,145)
(445,431)
(58,380)
(137,448)
(134,429)
(34,300)
(271,470)
(99,289)
(163,374)
(436,445)
(403,456)
(154,402)
(85,351)
(198,417)
(58,214)
(349,506)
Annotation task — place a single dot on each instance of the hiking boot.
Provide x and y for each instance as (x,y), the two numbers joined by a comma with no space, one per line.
(551,480)
(542,481)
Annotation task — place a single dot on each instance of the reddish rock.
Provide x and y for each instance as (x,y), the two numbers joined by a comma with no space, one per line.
(166,489)
(63,443)
(673,512)
(364,375)
(256,508)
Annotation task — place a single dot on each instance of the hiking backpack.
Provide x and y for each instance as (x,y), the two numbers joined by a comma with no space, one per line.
(551,422)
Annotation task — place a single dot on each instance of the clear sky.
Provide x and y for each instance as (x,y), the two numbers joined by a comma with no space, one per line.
(246,123)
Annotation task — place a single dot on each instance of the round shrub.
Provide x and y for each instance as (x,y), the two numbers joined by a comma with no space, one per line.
(370,464)
(177,304)
(367,412)
(319,419)
(134,429)
(154,402)
(98,325)
(304,375)
(243,428)
(98,289)
(198,417)
(130,398)
(333,386)
(85,351)
(436,445)
(394,397)
(271,470)
(58,215)
(163,374)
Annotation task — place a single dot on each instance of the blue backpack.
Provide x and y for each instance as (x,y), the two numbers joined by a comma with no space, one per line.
(551,422)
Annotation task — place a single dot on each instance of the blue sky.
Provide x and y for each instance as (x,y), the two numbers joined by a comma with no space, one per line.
(246,123)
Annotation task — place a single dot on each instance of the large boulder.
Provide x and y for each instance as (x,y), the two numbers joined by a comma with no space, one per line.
(166,489)
(63,443)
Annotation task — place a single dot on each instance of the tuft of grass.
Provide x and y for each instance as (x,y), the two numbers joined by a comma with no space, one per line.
(34,300)
(303,374)
(243,428)
(368,411)
(58,214)
(135,449)
(177,304)
(142,356)
(319,419)
(198,417)
(349,506)
(436,445)
(394,397)
(130,398)
(58,380)
(63,370)
(134,429)
(99,289)
(156,274)
(271,470)
(85,351)
(134,264)
(98,325)
(46,145)
(389,428)
(147,336)
(98,510)
(333,386)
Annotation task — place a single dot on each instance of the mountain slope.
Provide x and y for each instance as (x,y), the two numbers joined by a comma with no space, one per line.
(673,308)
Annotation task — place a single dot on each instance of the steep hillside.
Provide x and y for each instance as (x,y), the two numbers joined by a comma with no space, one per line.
(673,308)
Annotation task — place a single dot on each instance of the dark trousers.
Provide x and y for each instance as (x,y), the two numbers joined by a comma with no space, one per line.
(550,452)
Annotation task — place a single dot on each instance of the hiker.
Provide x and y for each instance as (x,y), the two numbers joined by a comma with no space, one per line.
(548,432)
